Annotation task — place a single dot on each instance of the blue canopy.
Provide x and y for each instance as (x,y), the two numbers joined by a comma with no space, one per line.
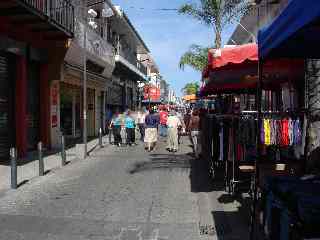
(294,34)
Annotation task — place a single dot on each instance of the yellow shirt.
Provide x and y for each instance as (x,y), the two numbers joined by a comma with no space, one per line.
(267,131)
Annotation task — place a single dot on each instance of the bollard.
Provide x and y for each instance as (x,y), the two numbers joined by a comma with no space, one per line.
(41,163)
(110,132)
(100,137)
(63,151)
(13,160)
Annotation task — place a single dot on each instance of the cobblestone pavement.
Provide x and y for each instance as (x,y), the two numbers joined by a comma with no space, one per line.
(119,194)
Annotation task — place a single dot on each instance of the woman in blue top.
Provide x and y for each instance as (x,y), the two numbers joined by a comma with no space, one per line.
(151,131)
(116,127)
(130,128)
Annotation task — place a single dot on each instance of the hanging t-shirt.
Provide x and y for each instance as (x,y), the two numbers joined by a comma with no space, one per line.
(262,135)
(267,132)
(285,132)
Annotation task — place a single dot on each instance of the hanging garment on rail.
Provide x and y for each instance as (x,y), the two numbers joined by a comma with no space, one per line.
(281,132)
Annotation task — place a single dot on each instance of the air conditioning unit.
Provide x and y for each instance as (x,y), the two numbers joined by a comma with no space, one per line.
(107,11)
(92,13)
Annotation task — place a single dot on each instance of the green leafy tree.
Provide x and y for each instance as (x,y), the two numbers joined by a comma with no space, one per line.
(190,88)
(217,14)
(196,57)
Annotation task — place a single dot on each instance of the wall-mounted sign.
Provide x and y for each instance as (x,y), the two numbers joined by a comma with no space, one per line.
(54,104)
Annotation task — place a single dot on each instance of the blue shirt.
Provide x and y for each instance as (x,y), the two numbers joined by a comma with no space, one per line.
(152,121)
(129,122)
(117,121)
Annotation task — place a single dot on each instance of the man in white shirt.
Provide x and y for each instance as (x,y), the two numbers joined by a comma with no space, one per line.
(173,123)
(140,120)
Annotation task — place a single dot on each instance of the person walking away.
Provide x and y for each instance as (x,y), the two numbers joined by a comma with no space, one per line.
(116,124)
(173,124)
(163,122)
(186,119)
(141,116)
(151,130)
(182,127)
(194,127)
(130,128)
(108,124)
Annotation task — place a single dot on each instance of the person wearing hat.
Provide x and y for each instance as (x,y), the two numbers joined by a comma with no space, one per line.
(173,123)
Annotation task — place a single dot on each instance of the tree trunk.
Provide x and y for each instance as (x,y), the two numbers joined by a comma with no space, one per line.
(218,32)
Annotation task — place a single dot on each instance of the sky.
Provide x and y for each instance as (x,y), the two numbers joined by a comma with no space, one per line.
(168,35)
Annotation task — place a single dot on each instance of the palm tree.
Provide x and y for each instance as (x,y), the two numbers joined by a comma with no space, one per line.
(196,57)
(190,88)
(217,14)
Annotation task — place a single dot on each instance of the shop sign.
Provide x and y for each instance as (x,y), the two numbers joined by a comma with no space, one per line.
(152,93)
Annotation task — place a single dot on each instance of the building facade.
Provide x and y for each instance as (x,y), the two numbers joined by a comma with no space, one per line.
(33,43)
(260,15)
(129,69)
(99,58)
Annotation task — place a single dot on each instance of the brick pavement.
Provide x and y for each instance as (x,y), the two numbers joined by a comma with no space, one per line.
(30,170)
(121,194)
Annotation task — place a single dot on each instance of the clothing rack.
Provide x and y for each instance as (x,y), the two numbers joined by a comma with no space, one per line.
(260,114)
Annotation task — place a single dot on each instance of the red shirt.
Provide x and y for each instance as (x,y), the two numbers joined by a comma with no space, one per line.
(163,117)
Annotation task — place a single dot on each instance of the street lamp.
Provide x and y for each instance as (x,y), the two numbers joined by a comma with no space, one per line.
(93,14)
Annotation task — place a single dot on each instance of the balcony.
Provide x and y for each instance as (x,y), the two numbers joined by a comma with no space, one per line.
(98,49)
(53,17)
(131,61)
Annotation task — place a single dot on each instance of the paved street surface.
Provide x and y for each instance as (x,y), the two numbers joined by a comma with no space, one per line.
(123,194)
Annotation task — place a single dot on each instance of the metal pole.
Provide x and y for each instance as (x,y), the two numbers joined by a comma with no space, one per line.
(258,140)
(100,137)
(85,82)
(13,160)
(41,163)
(63,151)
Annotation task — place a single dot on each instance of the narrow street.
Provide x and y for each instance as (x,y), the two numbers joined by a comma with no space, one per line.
(122,194)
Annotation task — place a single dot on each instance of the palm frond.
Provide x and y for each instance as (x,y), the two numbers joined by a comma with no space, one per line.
(196,57)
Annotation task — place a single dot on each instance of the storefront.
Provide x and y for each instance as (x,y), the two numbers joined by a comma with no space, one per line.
(71,100)
(7,116)
(24,122)
(70,110)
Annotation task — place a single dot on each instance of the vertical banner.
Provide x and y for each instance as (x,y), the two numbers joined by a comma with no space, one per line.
(54,104)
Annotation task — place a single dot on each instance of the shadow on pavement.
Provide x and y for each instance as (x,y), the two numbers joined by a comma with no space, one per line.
(233,224)
(200,178)
(162,161)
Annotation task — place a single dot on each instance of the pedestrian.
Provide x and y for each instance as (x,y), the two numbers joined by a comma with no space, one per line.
(182,127)
(116,124)
(186,119)
(163,122)
(141,116)
(194,127)
(173,124)
(130,128)
(151,130)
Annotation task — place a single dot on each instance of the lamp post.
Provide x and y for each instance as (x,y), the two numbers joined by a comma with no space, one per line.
(86,10)
(85,82)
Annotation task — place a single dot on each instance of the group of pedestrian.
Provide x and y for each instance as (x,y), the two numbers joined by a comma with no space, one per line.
(123,121)
(163,122)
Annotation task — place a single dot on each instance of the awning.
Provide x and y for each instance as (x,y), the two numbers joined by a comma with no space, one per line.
(235,69)
(232,55)
(231,68)
(295,33)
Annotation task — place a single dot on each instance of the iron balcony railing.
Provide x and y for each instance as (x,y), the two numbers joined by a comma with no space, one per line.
(60,12)
(131,58)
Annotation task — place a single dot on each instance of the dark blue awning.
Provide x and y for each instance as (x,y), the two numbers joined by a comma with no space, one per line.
(294,34)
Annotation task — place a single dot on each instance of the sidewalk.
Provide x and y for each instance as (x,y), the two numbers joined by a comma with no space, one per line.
(30,170)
